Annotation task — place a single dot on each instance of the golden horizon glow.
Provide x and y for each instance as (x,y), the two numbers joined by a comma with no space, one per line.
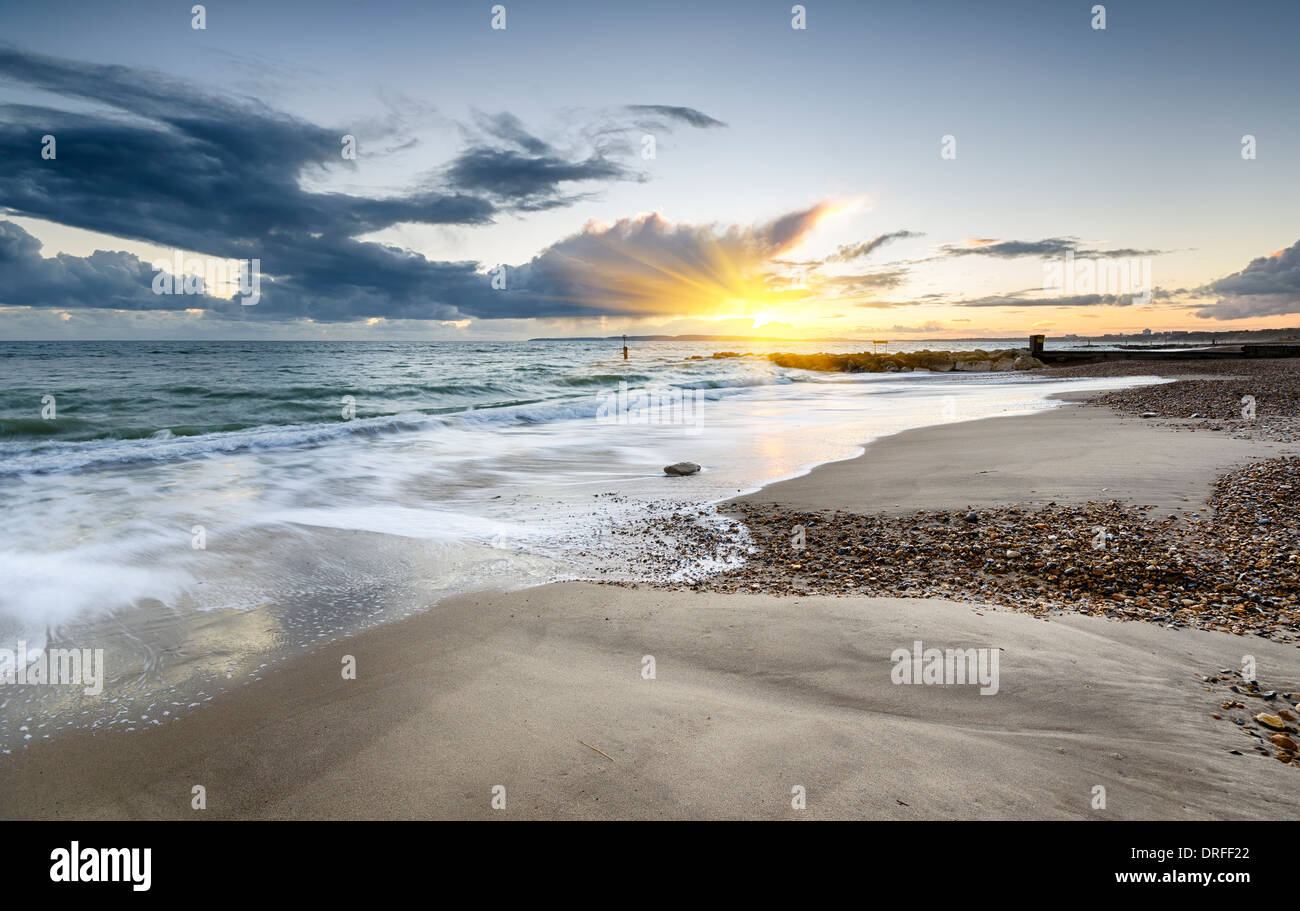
(649,270)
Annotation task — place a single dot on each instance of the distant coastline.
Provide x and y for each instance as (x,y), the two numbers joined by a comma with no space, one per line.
(1179,336)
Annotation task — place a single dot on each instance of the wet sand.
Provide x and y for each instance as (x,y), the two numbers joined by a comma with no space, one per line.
(752,696)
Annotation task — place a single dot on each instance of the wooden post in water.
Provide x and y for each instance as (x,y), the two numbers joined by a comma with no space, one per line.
(625,347)
(1036,345)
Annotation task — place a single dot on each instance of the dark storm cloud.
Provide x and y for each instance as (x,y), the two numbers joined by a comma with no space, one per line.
(1074,300)
(518,170)
(1047,247)
(1268,286)
(856,251)
(105,279)
(181,169)
(527,181)
(508,127)
(1009,249)
(688,116)
(165,163)
(122,281)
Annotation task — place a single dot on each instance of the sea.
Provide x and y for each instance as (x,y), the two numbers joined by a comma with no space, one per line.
(202,511)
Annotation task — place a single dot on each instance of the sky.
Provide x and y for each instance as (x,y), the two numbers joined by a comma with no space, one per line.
(893,169)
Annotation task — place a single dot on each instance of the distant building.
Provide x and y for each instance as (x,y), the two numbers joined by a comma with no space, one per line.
(1146,331)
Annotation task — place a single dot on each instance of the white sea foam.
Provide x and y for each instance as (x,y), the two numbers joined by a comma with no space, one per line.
(76,542)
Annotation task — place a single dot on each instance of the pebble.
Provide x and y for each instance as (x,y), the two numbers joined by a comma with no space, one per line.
(1212,404)
(1223,571)
(1271,721)
(1279,734)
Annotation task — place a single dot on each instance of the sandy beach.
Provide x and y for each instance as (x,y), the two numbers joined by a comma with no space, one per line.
(1068,455)
(545,692)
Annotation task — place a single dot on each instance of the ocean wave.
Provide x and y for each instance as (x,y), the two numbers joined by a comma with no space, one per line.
(601,379)
(170,444)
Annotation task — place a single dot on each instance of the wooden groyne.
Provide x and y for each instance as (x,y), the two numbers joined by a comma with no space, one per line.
(1068,356)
